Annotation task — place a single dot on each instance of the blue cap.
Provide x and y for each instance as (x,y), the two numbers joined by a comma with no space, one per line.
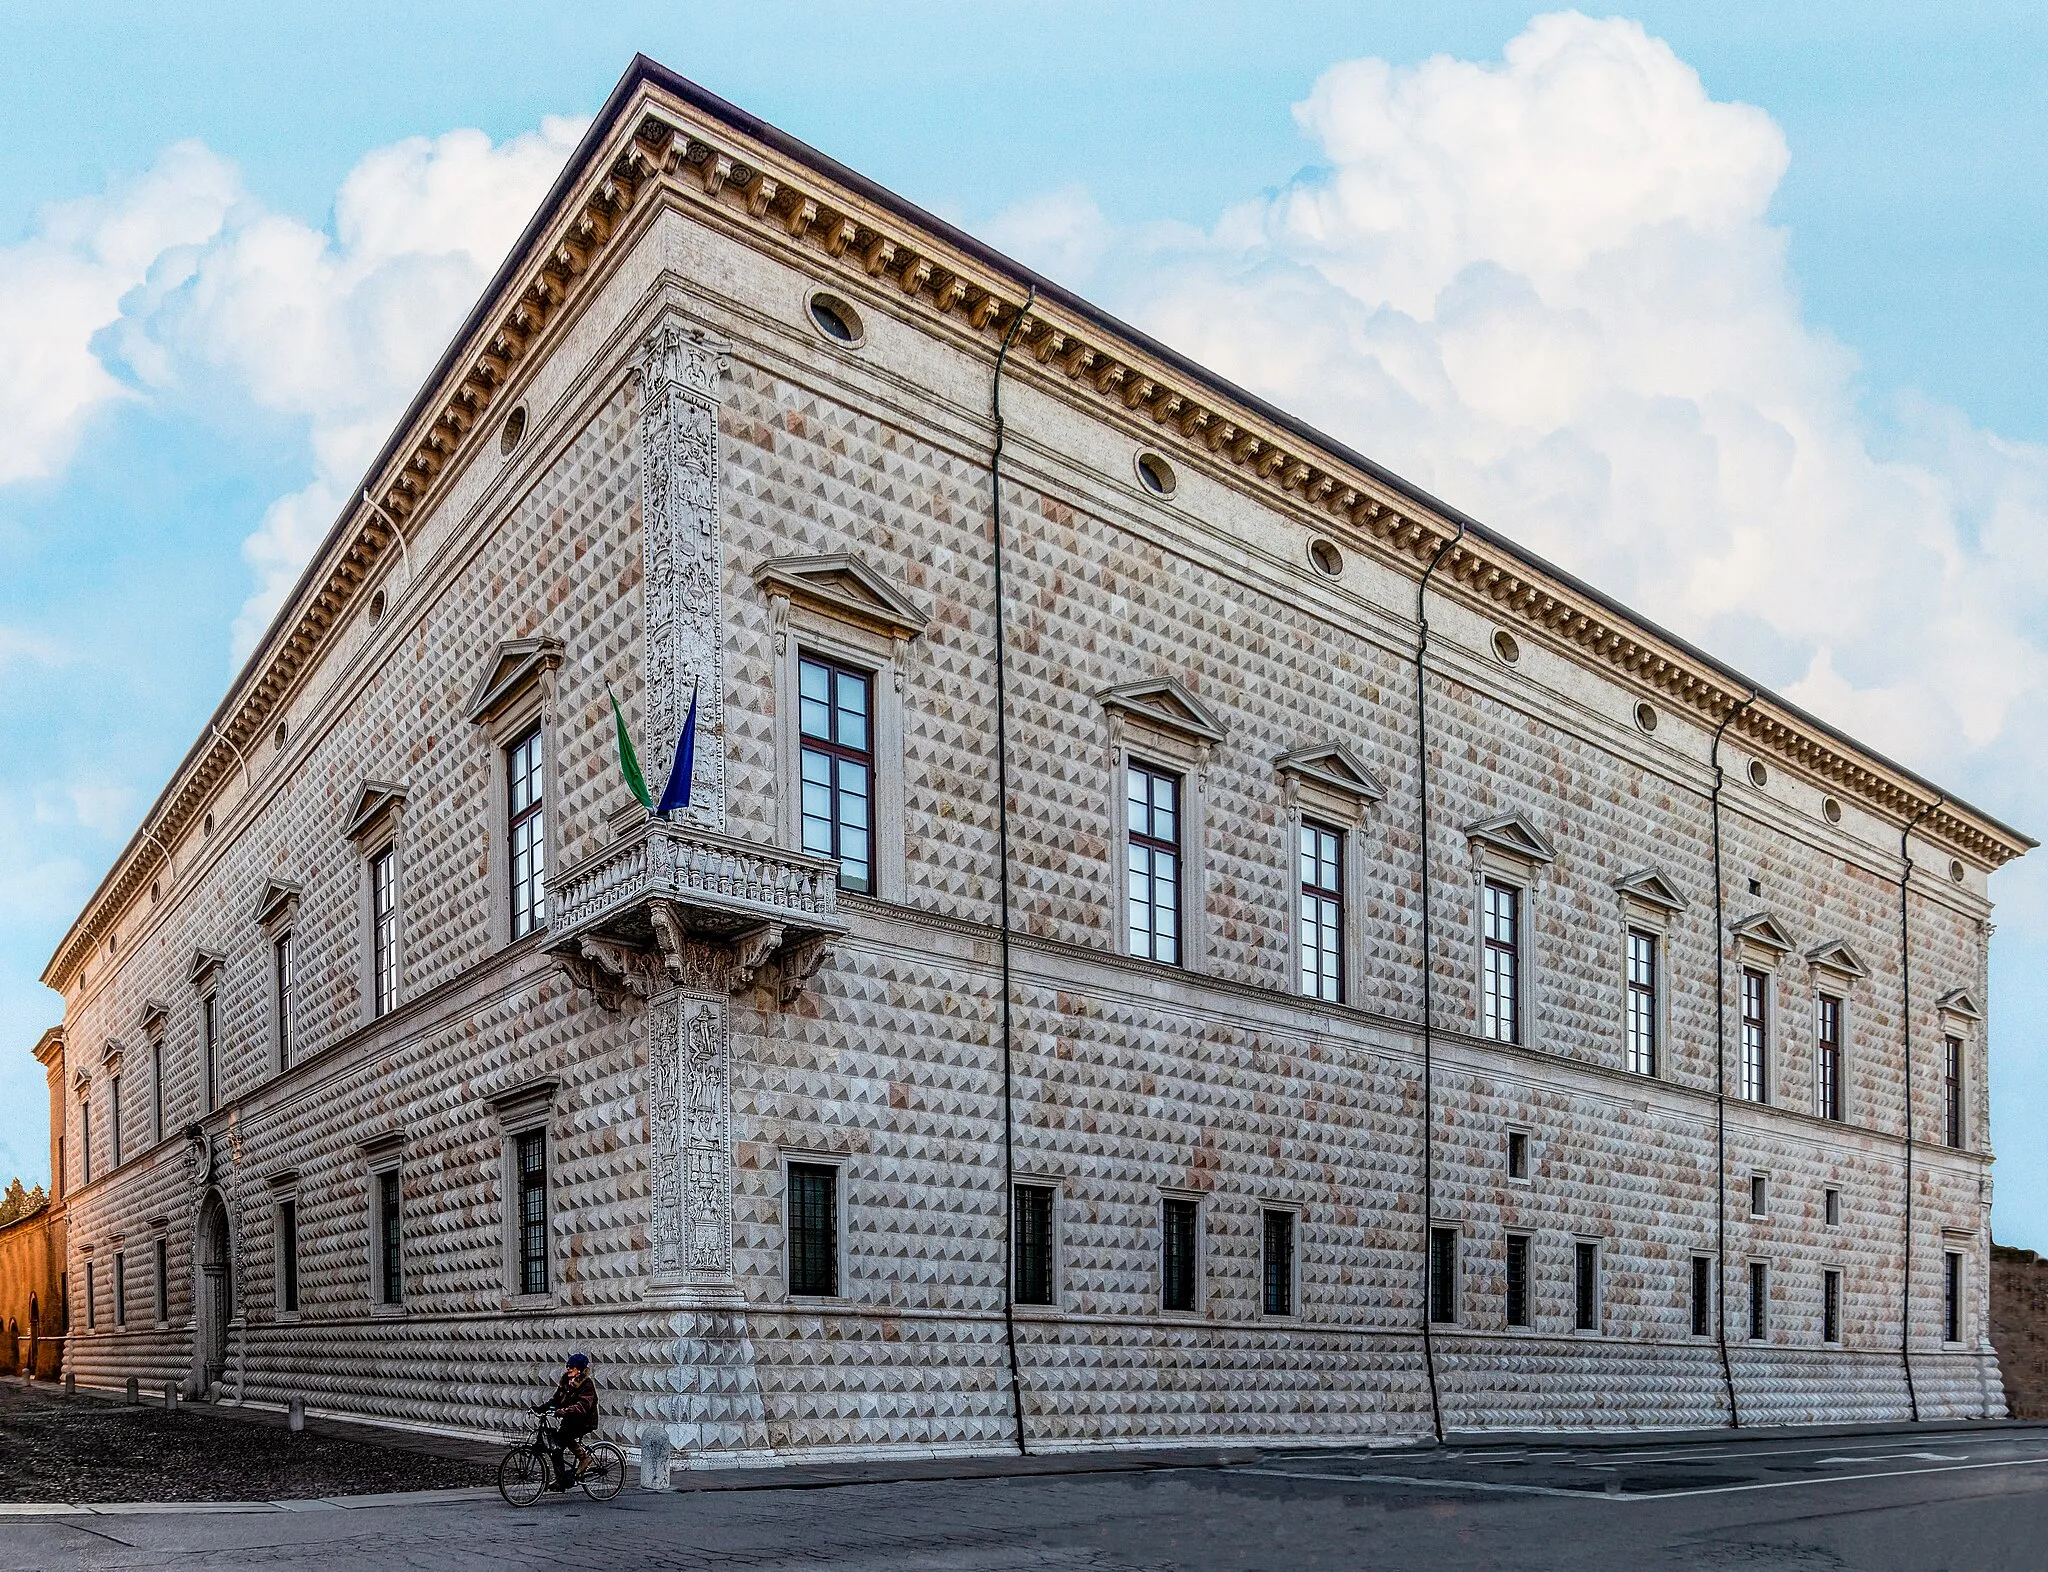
(579,1361)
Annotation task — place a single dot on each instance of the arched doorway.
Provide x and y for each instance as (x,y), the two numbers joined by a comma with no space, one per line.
(216,1292)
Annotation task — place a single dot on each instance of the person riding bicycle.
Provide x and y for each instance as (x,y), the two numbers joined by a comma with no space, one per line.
(575,1408)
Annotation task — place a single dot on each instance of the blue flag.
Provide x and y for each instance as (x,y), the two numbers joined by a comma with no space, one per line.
(676,794)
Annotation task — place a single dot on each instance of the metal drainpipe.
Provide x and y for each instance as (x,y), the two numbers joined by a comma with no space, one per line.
(1436,1407)
(995,482)
(1721,1078)
(1906,1031)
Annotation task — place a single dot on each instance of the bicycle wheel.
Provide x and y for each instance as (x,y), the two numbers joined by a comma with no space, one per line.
(605,1474)
(523,1475)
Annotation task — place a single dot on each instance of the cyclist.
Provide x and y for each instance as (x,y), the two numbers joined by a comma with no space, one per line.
(575,1408)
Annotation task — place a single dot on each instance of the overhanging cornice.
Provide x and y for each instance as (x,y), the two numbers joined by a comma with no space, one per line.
(659,132)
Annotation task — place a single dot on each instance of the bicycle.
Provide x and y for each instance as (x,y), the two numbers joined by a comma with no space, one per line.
(526,1468)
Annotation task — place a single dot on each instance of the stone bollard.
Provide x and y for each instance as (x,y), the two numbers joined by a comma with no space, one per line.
(295,1415)
(70,1383)
(654,1459)
(134,1390)
(170,1396)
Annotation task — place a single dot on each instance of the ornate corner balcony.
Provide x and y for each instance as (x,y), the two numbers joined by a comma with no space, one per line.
(645,910)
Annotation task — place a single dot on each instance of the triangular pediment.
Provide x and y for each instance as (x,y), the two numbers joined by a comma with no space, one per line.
(376,799)
(517,665)
(110,1055)
(1761,929)
(844,586)
(276,901)
(1164,704)
(1962,1003)
(1648,887)
(1836,956)
(1512,835)
(1333,767)
(154,1014)
(203,963)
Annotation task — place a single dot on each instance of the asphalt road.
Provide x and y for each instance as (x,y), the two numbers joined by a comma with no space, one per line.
(1915,1501)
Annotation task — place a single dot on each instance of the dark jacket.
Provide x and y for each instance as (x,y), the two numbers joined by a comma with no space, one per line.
(575,1397)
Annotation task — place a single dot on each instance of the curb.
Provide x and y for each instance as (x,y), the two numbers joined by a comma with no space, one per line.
(10,1509)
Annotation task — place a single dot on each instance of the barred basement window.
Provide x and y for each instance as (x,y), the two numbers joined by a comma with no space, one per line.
(1759,1301)
(92,1300)
(1500,982)
(1518,1280)
(835,710)
(163,1282)
(1827,1070)
(287,1256)
(813,1230)
(1952,1297)
(121,1288)
(1278,1298)
(1702,1296)
(1180,1224)
(1831,1307)
(1322,912)
(1755,1037)
(526,833)
(390,1279)
(1031,1271)
(1152,821)
(1642,1002)
(1586,1285)
(1443,1274)
(531,1157)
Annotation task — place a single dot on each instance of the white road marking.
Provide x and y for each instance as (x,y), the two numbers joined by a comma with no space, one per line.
(1898,1457)
(1835,1479)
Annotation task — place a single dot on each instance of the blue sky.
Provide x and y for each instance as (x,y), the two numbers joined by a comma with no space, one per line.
(1856,255)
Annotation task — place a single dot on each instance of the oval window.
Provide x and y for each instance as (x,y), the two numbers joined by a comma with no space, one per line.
(1831,810)
(1758,775)
(278,737)
(513,429)
(376,608)
(1956,870)
(1325,557)
(1505,646)
(1157,474)
(1646,716)
(835,319)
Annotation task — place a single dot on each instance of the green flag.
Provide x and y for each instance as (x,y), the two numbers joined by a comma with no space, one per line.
(629,763)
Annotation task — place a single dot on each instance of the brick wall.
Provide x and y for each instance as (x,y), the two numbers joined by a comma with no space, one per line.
(2019,1328)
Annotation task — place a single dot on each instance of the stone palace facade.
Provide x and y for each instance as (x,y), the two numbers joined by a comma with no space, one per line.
(1023,1037)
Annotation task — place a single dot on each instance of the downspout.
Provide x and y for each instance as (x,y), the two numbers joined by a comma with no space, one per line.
(1436,1407)
(1009,1202)
(1721,1079)
(1906,1030)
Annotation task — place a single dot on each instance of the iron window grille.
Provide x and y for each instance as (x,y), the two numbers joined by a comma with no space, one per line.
(288,1256)
(813,1230)
(1831,1307)
(156,1087)
(390,1284)
(1702,1295)
(1828,1068)
(120,1288)
(1153,820)
(163,1281)
(85,1135)
(1032,1266)
(530,1154)
(1755,1037)
(1443,1274)
(1180,1238)
(1518,1280)
(1586,1285)
(383,932)
(1759,1301)
(1322,913)
(1278,1261)
(114,1115)
(526,833)
(1500,991)
(92,1299)
(1952,1297)
(835,720)
(209,1052)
